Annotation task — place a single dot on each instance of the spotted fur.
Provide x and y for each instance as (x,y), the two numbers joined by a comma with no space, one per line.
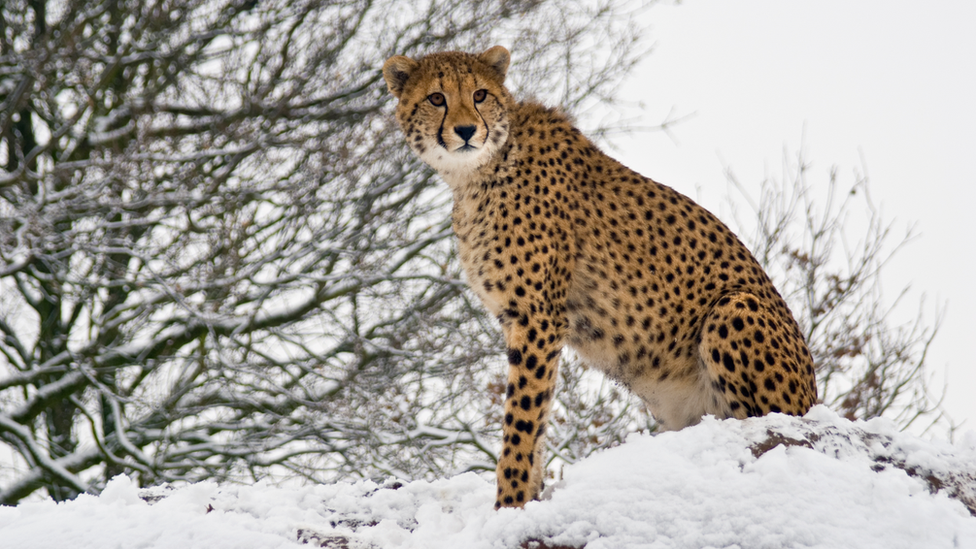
(566,246)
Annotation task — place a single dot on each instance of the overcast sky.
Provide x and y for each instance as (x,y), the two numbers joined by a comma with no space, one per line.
(883,85)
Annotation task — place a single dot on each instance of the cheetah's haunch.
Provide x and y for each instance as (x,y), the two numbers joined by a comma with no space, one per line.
(566,246)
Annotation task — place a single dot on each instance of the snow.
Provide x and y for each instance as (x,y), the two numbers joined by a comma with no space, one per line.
(773,482)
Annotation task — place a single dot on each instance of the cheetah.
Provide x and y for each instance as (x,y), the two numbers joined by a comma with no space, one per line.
(566,246)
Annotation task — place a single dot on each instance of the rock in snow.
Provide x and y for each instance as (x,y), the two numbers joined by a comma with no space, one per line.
(774,482)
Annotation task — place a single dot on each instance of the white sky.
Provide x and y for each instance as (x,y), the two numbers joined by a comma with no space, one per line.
(887,81)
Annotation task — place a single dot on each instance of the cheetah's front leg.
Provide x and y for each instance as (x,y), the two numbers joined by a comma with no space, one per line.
(534,342)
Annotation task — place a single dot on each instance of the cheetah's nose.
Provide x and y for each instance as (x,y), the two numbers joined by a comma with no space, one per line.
(465,131)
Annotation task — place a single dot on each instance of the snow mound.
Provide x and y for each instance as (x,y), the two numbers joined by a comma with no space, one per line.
(773,482)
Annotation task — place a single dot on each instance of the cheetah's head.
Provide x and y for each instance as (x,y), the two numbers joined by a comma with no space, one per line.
(453,107)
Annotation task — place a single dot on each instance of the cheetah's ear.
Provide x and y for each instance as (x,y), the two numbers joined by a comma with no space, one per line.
(498,59)
(396,71)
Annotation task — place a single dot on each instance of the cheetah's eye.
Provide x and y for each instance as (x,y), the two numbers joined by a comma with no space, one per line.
(480,95)
(436,99)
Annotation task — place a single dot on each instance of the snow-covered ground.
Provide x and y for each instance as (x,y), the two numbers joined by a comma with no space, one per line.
(774,482)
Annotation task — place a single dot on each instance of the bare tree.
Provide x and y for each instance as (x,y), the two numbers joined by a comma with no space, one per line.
(217,259)
(827,246)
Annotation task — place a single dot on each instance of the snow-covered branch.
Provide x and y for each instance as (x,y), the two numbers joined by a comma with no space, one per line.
(218,259)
